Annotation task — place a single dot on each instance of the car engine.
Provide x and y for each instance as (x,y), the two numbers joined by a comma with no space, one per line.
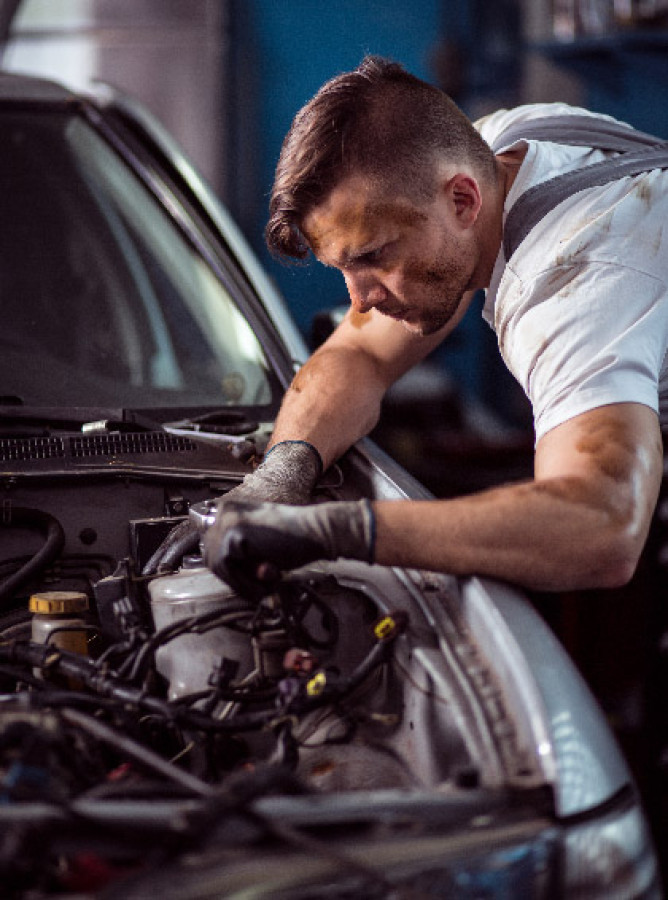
(132,678)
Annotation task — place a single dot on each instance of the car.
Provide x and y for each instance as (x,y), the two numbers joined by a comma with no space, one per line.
(362,731)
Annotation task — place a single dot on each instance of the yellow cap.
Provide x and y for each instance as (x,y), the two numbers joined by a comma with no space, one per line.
(55,602)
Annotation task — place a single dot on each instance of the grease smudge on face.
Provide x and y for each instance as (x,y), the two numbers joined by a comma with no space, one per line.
(351,216)
(376,212)
(410,262)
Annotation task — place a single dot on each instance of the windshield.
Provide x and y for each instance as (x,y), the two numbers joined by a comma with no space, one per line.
(104,300)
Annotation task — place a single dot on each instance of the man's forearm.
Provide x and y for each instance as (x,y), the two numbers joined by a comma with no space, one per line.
(333,401)
(581,523)
(546,535)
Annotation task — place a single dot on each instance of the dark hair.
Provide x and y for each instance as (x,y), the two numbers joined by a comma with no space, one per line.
(379,121)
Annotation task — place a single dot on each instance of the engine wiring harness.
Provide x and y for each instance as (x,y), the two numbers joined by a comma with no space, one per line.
(87,738)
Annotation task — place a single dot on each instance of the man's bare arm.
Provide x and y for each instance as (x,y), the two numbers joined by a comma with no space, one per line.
(581,523)
(335,398)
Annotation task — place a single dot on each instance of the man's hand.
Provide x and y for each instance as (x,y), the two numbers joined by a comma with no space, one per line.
(250,543)
(287,474)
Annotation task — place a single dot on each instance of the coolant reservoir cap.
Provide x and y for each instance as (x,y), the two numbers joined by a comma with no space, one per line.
(55,602)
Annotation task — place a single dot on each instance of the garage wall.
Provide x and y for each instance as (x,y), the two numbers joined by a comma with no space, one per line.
(283,52)
(170,54)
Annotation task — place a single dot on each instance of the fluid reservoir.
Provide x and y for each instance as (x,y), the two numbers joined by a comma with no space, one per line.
(189,661)
(58,620)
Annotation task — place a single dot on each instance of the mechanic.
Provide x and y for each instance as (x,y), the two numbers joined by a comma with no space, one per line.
(383,177)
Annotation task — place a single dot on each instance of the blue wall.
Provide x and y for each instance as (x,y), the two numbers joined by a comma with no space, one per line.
(298,45)
(624,75)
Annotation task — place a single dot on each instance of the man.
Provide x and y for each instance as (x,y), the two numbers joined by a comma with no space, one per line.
(383,178)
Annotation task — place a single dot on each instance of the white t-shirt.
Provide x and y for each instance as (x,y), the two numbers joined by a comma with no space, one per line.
(581,309)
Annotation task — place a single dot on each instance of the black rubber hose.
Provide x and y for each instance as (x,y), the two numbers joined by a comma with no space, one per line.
(181,540)
(34,519)
(73,665)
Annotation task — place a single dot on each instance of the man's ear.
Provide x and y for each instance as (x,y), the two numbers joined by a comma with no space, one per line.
(463,193)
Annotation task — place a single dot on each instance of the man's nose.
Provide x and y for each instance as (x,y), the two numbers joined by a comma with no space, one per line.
(365,291)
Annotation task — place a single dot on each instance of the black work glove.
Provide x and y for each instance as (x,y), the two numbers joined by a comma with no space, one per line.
(250,543)
(287,474)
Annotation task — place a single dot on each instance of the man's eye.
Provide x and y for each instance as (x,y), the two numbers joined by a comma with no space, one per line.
(373,255)
(370,258)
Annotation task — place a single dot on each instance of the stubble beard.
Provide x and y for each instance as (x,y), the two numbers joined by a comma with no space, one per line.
(443,288)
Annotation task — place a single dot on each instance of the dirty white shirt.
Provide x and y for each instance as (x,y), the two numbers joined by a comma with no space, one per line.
(581,309)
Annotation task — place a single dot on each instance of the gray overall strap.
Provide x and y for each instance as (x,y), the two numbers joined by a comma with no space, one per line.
(577,131)
(638,152)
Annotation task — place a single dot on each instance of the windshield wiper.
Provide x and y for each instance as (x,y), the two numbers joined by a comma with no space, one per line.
(221,421)
(100,420)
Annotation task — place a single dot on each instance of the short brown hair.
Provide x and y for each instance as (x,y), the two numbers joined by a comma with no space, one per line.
(378,120)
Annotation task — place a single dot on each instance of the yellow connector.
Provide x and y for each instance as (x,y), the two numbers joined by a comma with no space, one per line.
(384,628)
(316,685)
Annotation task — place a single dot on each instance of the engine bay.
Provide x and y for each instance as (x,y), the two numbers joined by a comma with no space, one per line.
(126,686)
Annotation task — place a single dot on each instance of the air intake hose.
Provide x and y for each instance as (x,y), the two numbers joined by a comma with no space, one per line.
(33,519)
